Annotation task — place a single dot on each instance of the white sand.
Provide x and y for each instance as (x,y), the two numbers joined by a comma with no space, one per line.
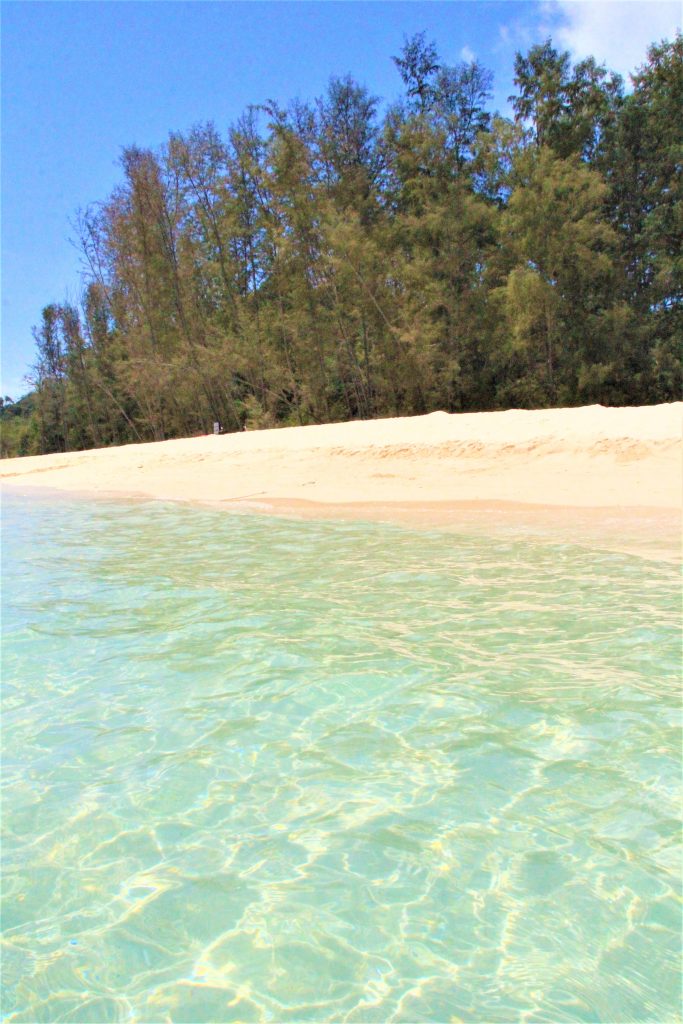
(610,463)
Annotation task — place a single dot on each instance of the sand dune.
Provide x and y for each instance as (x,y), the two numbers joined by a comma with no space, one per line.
(607,464)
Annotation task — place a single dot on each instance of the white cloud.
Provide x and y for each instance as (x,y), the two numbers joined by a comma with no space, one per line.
(467,55)
(615,32)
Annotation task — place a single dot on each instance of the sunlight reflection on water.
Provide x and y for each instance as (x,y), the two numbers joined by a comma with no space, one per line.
(267,770)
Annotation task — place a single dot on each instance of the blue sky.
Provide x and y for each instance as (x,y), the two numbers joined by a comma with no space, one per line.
(83,79)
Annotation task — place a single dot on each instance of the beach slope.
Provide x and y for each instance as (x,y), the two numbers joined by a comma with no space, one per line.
(441,469)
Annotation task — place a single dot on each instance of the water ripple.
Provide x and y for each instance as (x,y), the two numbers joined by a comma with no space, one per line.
(276,771)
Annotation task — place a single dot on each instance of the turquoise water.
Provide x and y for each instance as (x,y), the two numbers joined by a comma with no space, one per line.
(291,771)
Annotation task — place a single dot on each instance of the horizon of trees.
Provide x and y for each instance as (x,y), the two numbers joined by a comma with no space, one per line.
(326,261)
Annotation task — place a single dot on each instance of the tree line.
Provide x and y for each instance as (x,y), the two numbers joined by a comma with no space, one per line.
(333,260)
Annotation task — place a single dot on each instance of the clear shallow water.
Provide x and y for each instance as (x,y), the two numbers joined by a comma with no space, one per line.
(268,770)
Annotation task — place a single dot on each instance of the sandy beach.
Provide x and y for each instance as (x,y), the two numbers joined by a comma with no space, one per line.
(567,472)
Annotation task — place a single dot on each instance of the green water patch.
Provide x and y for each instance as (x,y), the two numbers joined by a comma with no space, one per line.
(267,770)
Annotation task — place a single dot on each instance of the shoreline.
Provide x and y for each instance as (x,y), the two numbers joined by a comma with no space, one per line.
(642,531)
(586,474)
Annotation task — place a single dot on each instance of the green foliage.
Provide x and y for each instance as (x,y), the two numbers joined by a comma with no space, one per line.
(565,108)
(557,263)
(18,427)
(643,163)
(322,263)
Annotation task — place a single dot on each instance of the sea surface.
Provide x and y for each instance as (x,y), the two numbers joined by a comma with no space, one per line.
(269,770)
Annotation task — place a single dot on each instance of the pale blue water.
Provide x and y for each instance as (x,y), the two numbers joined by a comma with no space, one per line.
(267,770)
